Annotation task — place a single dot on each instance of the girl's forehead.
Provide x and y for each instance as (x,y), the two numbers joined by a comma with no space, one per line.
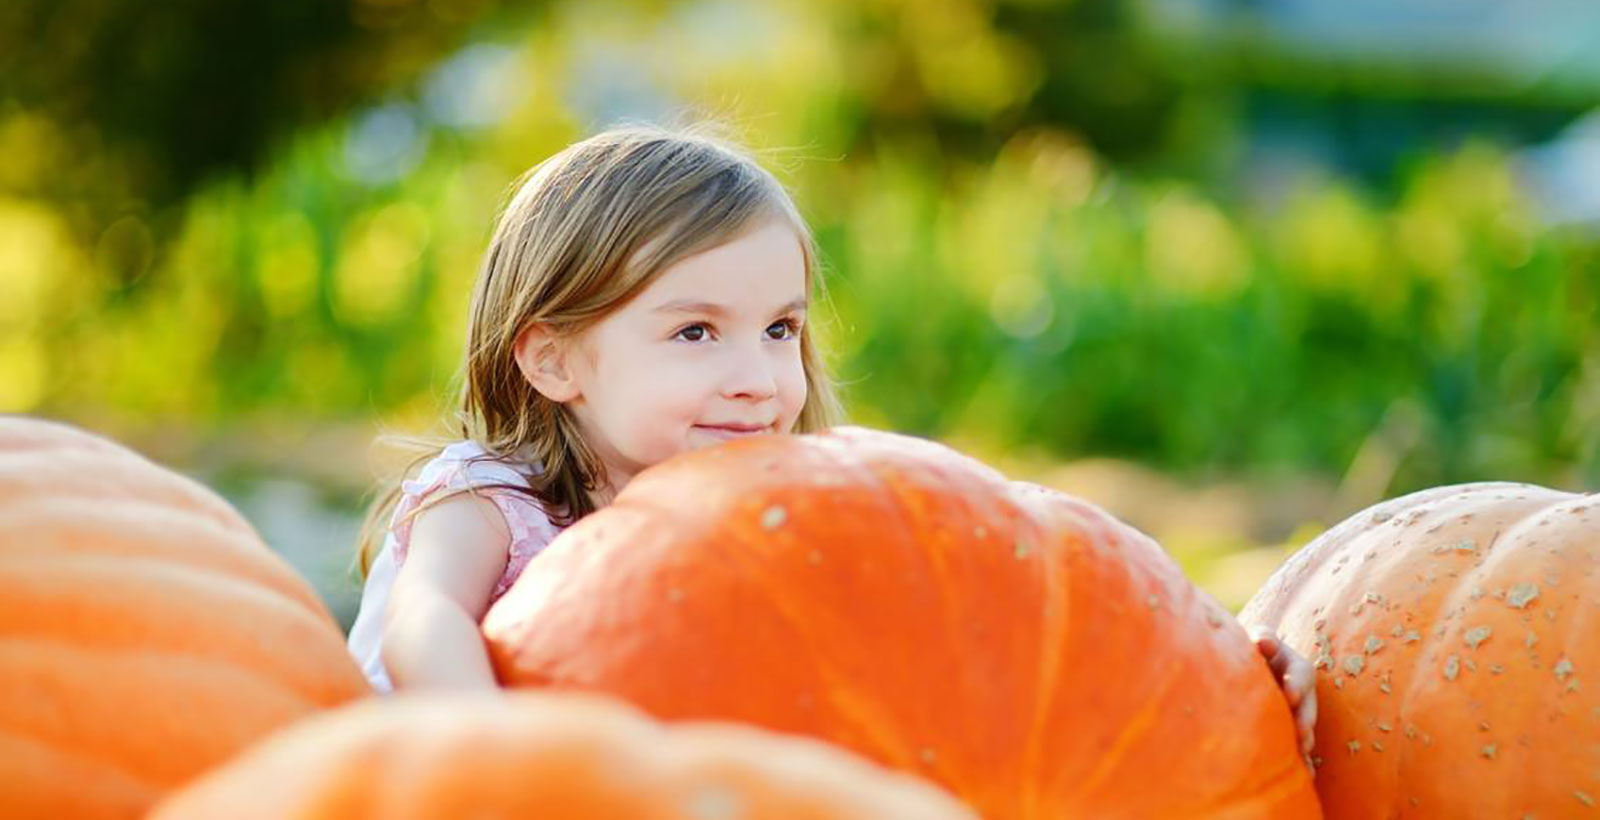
(762,269)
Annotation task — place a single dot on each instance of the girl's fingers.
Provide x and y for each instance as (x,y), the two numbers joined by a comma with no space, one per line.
(1299,679)
(1293,695)
(1278,659)
(1300,683)
(1270,649)
(1306,722)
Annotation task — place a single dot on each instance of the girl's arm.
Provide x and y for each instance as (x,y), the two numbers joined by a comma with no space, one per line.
(458,551)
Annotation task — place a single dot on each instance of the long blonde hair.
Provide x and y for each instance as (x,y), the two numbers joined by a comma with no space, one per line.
(585,231)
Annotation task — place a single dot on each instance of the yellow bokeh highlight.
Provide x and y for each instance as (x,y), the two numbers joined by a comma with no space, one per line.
(1333,243)
(964,63)
(22,373)
(993,227)
(378,264)
(1056,161)
(1192,248)
(33,253)
(1430,240)
(288,266)
(887,200)
(1021,306)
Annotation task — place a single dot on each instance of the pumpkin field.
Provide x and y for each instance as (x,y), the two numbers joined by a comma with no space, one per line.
(1158,326)
(845,624)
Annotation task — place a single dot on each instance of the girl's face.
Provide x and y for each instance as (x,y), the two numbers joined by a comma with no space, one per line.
(708,352)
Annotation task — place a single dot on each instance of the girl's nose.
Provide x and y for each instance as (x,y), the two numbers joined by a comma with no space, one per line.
(751,376)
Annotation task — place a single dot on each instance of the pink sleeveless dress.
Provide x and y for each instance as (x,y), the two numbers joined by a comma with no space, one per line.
(460,466)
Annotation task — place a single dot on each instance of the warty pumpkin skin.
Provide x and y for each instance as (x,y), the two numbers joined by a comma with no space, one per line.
(553,756)
(1024,649)
(1454,633)
(146,633)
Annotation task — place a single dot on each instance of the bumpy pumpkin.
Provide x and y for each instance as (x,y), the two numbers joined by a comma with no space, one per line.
(148,634)
(1024,649)
(583,757)
(1454,635)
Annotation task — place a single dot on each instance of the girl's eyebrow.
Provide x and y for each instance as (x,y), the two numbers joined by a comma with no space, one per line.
(714,309)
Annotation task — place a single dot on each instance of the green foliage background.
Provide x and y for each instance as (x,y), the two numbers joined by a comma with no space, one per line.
(1040,236)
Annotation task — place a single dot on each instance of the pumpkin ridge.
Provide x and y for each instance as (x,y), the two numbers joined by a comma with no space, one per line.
(241,556)
(868,715)
(306,678)
(904,500)
(1419,676)
(182,670)
(91,477)
(104,765)
(902,496)
(1133,728)
(1055,635)
(205,576)
(1281,784)
(1423,678)
(400,767)
(905,497)
(860,713)
(66,507)
(1260,804)
(164,656)
(15,748)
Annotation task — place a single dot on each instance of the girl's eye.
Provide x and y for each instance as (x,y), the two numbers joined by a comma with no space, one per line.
(783,330)
(692,333)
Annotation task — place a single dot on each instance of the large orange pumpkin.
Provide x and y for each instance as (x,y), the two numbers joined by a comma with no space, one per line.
(146,633)
(1024,649)
(1455,637)
(562,757)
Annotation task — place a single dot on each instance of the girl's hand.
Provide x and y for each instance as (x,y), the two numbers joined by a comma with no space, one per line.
(1298,680)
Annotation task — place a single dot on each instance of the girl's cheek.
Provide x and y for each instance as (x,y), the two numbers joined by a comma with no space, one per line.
(796,385)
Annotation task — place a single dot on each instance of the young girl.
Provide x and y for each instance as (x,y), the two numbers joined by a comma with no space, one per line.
(644,294)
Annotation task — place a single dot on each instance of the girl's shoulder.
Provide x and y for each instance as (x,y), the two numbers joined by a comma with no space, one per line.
(466,466)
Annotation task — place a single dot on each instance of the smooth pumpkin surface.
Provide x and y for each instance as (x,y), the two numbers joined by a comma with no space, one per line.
(146,632)
(1454,632)
(1024,649)
(562,757)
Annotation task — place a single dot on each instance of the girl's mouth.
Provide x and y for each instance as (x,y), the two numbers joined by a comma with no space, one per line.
(729,431)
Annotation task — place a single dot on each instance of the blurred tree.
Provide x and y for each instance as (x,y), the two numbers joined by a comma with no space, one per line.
(144,101)
(973,74)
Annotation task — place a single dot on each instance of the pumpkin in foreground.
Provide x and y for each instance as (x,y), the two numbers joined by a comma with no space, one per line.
(148,633)
(558,756)
(1454,635)
(1025,650)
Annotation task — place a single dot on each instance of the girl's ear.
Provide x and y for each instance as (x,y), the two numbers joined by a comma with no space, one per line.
(542,357)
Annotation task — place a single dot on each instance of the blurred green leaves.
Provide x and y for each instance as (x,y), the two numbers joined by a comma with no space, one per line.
(1150,321)
(1007,265)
